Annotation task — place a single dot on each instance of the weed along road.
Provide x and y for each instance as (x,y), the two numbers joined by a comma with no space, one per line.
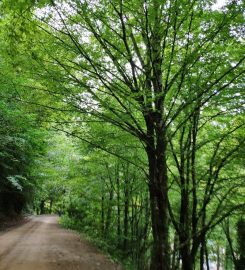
(41,244)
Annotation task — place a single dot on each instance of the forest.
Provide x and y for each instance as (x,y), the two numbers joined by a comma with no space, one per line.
(126,119)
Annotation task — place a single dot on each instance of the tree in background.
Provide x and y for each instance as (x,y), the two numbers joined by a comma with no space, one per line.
(236,249)
(22,141)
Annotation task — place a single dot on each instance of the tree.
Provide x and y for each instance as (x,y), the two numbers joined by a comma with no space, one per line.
(20,144)
(206,171)
(146,67)
(237,254)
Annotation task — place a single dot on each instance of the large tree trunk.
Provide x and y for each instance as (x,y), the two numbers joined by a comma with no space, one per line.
(187,259)
(159,204)
(157,144)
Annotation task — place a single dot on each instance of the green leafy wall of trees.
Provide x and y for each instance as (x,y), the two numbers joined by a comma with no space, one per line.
(151,93)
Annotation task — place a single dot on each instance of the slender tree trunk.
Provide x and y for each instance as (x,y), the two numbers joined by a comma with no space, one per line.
(42,207)
(184,238)
(175,252)
(102,214)
(145,231)
(102,207)
(108,215)
(241,244)
(218,257)
(186,256)
(202,254)
(50,205)
(206,256)
(126,212)
(132,230)
(118,213)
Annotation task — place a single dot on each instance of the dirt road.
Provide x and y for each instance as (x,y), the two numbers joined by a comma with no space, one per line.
(41,244)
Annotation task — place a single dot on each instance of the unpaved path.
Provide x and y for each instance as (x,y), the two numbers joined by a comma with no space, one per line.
(41,244)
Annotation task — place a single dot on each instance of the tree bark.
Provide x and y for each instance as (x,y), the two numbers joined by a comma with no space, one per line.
(118,213)
(51,206)
(206,256)
(218,257)
(159,203)
(175,255)
(126,213)
(42,207)
(202,254)
(108,215)
(102,214)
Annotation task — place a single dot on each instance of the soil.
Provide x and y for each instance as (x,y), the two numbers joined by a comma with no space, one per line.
(41,244)
(7,223)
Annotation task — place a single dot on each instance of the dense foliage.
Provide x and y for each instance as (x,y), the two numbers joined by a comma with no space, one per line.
(143,108)
(21,143)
